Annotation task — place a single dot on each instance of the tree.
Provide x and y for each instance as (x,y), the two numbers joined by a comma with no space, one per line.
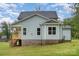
(75,20)
(76,8)
(6,29)
(67,21)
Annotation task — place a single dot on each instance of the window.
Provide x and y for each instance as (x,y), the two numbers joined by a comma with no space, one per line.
(38,31)
(24,31)
(54,30)
(51,30)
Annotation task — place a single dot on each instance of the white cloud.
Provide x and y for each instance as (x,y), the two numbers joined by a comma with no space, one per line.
(11,13)
(3,5)
(7,20)
(7,11)
(62,9)
(61,17)
(22,4)
(54,5)
(7,6)
(66,7)
(23,10)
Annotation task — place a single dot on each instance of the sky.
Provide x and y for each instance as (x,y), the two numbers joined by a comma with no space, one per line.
(10,11)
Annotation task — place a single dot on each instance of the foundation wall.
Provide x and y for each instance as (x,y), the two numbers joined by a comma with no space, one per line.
(41,42)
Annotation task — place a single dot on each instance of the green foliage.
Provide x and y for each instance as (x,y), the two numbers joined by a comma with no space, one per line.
(75,25)
(1,33)
(6,29)
(67,21)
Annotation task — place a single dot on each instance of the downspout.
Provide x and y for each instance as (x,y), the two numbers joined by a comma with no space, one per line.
(41,33)
(62,33)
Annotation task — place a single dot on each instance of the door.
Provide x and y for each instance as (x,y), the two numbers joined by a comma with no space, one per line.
(19,42)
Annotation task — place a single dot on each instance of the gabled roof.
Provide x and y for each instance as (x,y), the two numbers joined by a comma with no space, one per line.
(26,18)
(48,14)
(47,19)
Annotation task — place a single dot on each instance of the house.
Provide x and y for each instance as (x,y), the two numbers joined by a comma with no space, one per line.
(39,27)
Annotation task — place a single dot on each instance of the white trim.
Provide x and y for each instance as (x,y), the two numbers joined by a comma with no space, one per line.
(52,20)
(51,23)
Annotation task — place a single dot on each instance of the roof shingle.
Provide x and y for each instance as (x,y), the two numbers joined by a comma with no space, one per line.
(49,14)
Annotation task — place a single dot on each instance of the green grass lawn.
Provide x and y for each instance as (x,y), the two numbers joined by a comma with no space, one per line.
(62,49)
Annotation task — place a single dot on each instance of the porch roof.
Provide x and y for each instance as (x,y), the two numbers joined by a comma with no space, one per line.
(52,21)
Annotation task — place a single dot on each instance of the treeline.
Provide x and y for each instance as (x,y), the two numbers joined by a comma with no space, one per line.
(5,31)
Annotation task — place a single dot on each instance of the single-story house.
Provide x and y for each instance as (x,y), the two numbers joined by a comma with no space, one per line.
(39,27)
